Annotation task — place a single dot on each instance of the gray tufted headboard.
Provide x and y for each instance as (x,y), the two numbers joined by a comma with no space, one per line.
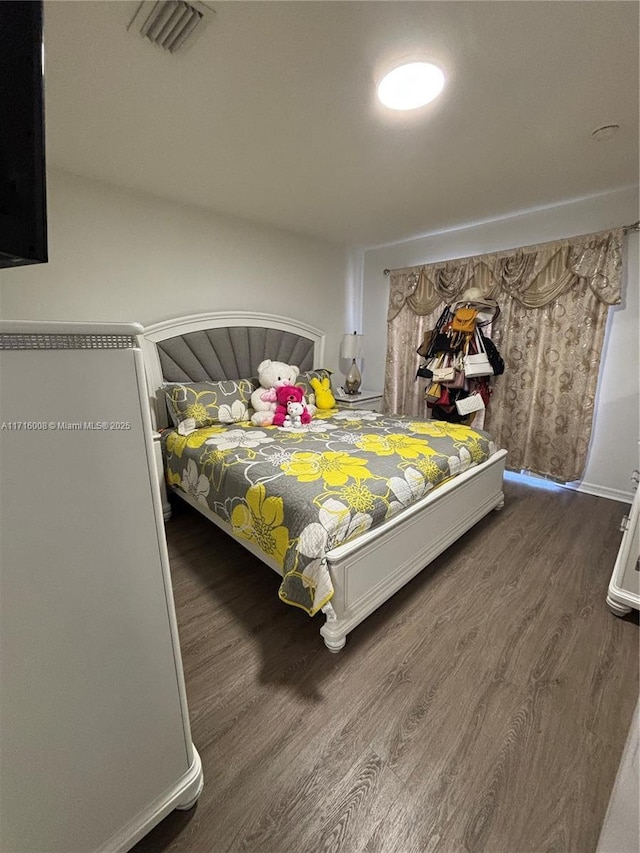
(223,346)
(230,353)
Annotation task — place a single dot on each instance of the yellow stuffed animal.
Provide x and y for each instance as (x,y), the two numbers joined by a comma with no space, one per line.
(324,397)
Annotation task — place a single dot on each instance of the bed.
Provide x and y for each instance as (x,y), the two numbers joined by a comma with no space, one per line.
(348,511)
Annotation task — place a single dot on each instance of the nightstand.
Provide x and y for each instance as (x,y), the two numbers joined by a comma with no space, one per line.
(371,400)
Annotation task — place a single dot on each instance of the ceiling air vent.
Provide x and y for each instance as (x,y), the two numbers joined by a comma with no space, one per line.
(170,24)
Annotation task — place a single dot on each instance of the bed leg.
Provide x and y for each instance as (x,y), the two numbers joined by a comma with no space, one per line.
(334,638)
(336,644)
(616,608)
(499,505)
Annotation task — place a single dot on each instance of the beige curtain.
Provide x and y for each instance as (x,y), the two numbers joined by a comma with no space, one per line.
(554,299)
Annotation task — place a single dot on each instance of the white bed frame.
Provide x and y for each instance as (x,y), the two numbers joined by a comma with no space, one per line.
(369,570)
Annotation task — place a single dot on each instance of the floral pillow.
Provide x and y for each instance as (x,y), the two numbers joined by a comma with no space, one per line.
(304,382)
(225,402)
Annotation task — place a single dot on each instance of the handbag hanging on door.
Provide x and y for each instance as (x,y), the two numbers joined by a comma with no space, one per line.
(467,405)
(428,346)
(495,359)
(464,320)
(423,349)
(444,371)
(481,386)
(459,379)
(477,364)
(433,393)
(424,373)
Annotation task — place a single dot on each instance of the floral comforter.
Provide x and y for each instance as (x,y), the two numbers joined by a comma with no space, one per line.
(297,494)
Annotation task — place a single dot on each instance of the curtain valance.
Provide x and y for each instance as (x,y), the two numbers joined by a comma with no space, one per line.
(534,276)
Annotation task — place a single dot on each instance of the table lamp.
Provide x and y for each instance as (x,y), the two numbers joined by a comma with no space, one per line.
(351,347)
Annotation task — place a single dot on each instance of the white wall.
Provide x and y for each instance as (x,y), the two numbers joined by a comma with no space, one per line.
(614,448)
(120,255)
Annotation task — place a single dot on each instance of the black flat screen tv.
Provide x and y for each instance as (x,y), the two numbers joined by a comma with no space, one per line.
(23,211)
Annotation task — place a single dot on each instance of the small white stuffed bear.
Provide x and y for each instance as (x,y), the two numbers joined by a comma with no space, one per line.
(271,374)
(294,414)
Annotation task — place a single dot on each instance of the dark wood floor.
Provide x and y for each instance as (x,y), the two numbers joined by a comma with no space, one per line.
(484,708)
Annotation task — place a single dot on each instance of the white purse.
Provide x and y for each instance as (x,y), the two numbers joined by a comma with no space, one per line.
(477,364)
(467,405)
(443,370)
(444,374)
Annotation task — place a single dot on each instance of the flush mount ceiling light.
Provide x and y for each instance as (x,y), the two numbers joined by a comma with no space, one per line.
(607,131)
(410,86)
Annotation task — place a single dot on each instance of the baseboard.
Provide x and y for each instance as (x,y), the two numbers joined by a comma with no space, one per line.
(602,492)
(586,488)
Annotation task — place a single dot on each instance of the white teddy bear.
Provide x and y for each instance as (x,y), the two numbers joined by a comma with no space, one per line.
(271,374)
(294,414)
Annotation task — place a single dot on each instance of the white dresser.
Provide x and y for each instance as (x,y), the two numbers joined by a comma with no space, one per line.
(95,744)
(624,587)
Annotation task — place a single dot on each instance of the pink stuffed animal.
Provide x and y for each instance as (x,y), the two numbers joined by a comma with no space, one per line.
(291,409)
(271,375)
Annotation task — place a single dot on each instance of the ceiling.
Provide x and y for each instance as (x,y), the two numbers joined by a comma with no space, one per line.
(271,113)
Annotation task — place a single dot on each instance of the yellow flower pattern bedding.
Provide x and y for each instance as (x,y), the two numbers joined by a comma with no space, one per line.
(298,494)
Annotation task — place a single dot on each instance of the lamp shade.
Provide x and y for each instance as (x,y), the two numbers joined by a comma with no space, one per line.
(351,346)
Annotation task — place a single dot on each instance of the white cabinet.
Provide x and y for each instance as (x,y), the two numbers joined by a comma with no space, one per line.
(95,744)
(621,830)
(624,588)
